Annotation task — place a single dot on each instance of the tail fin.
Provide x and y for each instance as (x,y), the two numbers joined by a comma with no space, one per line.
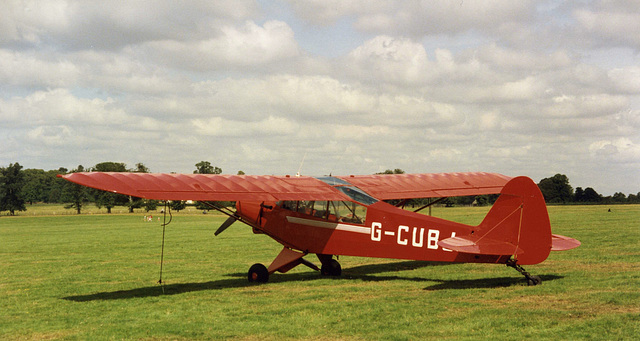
(517,225)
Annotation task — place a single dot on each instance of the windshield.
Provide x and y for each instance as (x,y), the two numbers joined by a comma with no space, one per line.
(353,192)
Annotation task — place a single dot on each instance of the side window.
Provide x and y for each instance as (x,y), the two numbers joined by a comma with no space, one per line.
(320,209)
(305,207)
(336,211)
(288,205)
(347,212)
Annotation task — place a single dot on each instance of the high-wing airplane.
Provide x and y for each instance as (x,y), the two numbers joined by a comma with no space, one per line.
(348,215)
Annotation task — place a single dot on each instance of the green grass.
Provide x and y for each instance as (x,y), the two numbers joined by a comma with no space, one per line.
(94,276)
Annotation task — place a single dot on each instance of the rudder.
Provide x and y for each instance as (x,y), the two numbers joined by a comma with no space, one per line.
(519,217)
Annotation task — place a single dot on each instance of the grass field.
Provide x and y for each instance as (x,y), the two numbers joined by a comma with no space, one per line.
(93,277)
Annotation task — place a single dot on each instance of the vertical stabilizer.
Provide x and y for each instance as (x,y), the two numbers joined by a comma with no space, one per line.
(519,217)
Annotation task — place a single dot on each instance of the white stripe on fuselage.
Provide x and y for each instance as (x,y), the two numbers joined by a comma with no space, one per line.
(329,225)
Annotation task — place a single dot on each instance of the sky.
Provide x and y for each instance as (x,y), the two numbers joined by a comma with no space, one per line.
(532,88)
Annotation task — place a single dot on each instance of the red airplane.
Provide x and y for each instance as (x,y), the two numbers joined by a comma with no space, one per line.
(348,215)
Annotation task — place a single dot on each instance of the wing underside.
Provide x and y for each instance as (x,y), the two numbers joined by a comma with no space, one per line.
(218,187)
(432,185)
(208,187)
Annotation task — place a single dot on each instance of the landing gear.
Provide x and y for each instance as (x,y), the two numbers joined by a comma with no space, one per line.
(258,273)
(289,259)
(531,280)
(331,268)
(534,280)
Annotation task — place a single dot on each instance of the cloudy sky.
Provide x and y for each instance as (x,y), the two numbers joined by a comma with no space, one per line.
(351,87)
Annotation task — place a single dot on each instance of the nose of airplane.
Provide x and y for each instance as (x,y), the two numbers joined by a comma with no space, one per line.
(249,211)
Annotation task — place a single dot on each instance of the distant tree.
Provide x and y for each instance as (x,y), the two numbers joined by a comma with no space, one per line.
(35,186)
(205,167)
(486,199)
(11,183)
(75,195)
(54,193)
(106,199)
(619,197)
(579,195)
(140,168)
(395,171)
(556,189)
(463,201)
(150,205)
(41,186)
(590,195)
(110,200)
(240,172)
(109,167)
(138,202)
(178,205)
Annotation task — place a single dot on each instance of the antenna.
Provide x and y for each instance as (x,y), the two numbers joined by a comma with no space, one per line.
(301,163)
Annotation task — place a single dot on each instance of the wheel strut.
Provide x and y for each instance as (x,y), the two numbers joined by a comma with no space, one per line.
(531,280)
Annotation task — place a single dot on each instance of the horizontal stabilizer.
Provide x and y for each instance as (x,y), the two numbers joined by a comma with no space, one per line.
(479,245)
(562,243)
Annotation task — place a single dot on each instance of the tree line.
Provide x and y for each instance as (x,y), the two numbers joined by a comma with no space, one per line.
(19,187)
(555,189)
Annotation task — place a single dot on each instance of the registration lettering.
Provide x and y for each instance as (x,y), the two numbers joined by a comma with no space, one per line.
(405,235)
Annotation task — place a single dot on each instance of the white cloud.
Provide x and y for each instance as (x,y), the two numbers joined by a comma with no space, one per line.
(587,106)
(247,45)
(106,25)
(60,106)
(610,22)
(626,80)
(621,150)
(29,20)
(416,17)
(442,16)
(51,136)
(30,69)
(218,126)
(394,59)
(515,87)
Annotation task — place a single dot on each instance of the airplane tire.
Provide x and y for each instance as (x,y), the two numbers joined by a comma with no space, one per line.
(333,268)
(258,273)
(534,280)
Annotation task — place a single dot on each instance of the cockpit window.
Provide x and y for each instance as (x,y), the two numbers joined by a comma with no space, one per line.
(335,211)
(347,212)
(354,212)
(351,191)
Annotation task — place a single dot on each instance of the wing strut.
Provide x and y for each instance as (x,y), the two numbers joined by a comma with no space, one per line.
(431,203)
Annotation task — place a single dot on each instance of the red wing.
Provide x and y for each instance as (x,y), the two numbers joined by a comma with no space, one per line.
(208,187)
(408,186)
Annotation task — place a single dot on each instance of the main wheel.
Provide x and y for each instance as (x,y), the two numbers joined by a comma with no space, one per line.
(332,268)
(258,273)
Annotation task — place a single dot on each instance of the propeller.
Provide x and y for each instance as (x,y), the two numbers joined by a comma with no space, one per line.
(232,219)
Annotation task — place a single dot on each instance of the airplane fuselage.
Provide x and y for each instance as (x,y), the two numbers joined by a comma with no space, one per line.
(385,232)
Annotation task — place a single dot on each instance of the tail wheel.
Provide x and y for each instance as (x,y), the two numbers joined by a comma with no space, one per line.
(534,280)
(332,268)
(258,273)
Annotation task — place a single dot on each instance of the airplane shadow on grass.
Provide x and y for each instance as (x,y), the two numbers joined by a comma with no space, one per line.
(362,273)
